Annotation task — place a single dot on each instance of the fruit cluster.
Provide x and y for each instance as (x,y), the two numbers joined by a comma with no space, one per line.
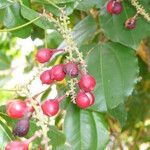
(58,72)
(23,110)
(114,7)
(18,109)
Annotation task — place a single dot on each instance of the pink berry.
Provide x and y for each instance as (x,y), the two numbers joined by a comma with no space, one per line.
(84,99)
(16,109)
(87,83)
(71,69)
(43,55)
(130,23)
(91,97)
(45,77)
(16,145)
(50,107)
(57,73)
(114,7)
(29,106)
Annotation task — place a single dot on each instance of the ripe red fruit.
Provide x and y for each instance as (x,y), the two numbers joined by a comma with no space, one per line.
(50,107)
(87,82)
(71,69)
(16,109)
(85,99)
(43,55)
(114,7)
(29,106)
(40,147)
(16,145)
(45,77)
(21,128)
(57,73)
(130,23)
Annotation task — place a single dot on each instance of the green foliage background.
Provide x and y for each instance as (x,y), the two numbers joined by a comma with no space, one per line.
(121,109)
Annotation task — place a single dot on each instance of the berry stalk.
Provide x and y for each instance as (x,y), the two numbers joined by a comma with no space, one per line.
(140,9)
(42,120)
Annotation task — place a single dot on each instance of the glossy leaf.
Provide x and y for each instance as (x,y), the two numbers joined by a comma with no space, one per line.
(52,7)
(9,121)
(114,29)
(85,130)
(86,5)
(56,136)
(13,18)
(42,22)
(5,135)
(115,69)
(120,113)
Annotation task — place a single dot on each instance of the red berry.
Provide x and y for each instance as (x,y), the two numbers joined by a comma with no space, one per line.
(29,106)
(71,69)
(16,109)
(114,7)
(57,73)
(40,147)
(43,55)
(21,128)
(16,145)
(130,23)
(45,77)
(87,83)
(50,107)
(85,99)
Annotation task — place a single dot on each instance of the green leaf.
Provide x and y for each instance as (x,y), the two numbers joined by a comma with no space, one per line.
(13,18)
(86,5)
(42,22)
(5,135)
(3,109)
(5,3)
(54,39)
(115,68)
(85,130)
(54,1)
(5,61)
(120,114)
(26,2)
(62,1)
(9,121)
(113,25)
(53,7)
(84,30)
(56,136)
(45,94)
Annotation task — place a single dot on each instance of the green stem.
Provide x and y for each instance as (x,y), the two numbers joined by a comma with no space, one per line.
(21,26)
